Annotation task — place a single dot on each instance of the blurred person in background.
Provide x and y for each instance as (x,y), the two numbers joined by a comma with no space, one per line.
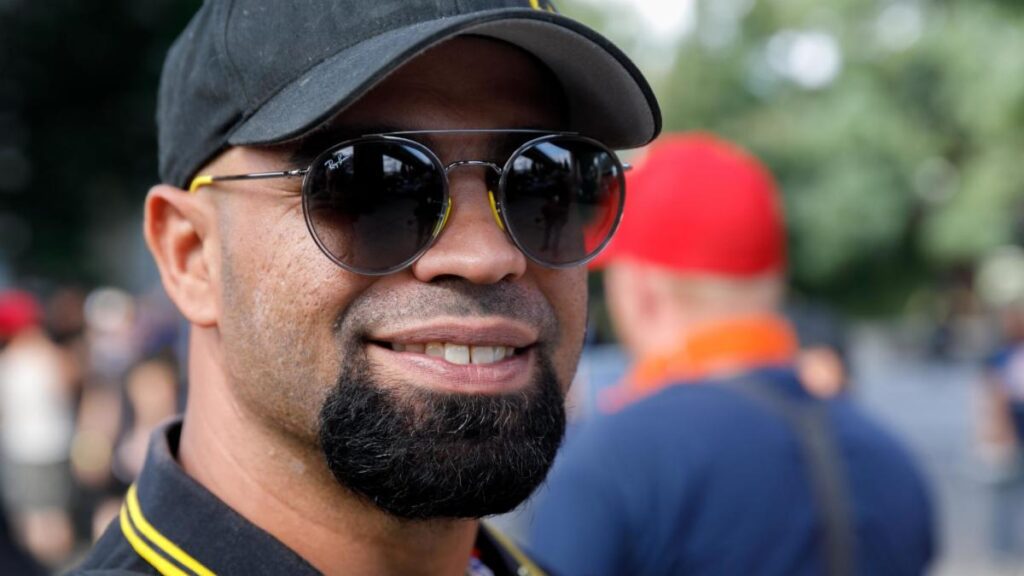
(65,321)
(35,430)
(128,367)
(111,346)
(1000,420)
(151,390)
(713,458)
(822,364)
(151,395)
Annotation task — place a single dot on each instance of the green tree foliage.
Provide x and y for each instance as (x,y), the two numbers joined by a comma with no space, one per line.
(906,165)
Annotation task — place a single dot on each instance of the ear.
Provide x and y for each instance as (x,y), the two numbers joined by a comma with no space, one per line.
(177,227)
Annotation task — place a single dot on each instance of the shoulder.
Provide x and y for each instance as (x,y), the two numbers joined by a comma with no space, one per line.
(887,483)
(858,431)
(683,427)
(701,402)
(679,413)
(891,494)
(868,445)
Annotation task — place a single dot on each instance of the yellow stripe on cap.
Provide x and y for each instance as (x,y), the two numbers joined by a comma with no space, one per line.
(142,549)
(161,542)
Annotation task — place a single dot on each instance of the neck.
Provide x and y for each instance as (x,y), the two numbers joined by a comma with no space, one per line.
(722,345)
(283,486)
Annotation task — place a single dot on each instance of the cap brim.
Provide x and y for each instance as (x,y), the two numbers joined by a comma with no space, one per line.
(609,99)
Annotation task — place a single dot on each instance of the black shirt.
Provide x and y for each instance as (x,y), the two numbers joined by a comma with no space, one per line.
(169,524)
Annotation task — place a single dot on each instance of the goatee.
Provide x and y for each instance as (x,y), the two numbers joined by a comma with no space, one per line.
(418,454)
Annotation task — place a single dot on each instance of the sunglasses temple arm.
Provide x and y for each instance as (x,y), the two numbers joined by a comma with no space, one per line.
(200,181)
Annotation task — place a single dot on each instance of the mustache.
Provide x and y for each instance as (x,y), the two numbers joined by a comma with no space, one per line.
(393,305)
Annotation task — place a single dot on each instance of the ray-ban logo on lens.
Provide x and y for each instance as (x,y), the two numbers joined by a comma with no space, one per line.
(337,160)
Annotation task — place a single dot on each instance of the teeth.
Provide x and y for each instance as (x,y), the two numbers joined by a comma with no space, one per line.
(456,353)
(482,354)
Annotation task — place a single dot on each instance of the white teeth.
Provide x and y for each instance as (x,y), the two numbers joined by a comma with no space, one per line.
(456,353)
(482,354)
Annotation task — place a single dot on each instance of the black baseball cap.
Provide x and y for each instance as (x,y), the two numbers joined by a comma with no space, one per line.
(260,72)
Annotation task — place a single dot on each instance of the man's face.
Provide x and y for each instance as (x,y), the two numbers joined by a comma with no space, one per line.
(395,377)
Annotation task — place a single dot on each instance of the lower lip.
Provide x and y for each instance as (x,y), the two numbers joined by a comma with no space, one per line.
(508,375)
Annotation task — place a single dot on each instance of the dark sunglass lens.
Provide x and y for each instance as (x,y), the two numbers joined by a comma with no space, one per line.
(562,200)
(374,205)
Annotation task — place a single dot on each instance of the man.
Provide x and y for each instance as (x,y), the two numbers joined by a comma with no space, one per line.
(712,458)
(35,430)
(382,326)
(33,441)
(999,422)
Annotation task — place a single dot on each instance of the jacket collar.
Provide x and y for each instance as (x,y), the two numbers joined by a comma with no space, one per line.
(180,528)
(716,350)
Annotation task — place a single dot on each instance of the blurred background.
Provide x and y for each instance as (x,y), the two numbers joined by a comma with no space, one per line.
(895,129)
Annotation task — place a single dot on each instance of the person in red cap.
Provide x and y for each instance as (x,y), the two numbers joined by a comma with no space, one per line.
(702,239)
(19,311)
(35,432)
(711,456)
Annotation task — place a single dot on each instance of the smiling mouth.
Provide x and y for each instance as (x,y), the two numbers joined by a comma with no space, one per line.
(455,353)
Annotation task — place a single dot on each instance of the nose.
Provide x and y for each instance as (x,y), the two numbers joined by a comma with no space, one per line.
(471,246)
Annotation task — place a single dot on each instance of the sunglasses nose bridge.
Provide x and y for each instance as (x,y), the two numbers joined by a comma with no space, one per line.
(490,193)
(463,163)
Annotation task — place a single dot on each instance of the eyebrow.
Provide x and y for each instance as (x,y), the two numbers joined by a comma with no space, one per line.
(502,141)
(500,144)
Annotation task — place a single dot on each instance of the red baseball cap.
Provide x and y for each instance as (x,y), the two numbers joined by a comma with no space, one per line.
(696,203)
(18,310)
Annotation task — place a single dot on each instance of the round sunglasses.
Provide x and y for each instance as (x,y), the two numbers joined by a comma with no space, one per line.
(376,203)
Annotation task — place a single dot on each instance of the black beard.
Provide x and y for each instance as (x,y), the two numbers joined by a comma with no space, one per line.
(418,454)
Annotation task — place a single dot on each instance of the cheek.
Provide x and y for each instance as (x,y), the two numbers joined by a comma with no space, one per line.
(270,255)
(282,355)
(266,309)
(566,290)
(263,271)
(281,299)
